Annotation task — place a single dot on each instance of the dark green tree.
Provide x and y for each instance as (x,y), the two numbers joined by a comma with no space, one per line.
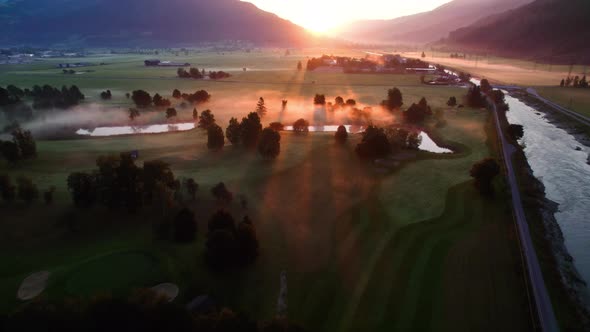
(206,119)
(341,134)
(26,190)
(7,189)
(484,173)
(233,132)
(269,145)
(170,113)
(82,187)
(215,138)
(141,98)
(301,126)
(221,193)
(261,107)
(394,100)
(374,144)
(185,226)
(251,129)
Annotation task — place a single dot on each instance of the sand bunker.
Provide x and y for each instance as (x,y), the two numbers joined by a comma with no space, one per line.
(33,285)
(166,290)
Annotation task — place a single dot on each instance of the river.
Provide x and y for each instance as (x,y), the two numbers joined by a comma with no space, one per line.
(553,156)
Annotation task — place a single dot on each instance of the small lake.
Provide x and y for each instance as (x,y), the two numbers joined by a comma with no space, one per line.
(427,143)
(135,130)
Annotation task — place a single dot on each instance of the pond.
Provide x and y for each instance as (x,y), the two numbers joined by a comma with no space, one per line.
(427,143)
(134,130)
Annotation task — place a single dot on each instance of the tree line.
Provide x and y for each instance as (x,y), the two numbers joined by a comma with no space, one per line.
(574,82)
(197,74)
(142,310)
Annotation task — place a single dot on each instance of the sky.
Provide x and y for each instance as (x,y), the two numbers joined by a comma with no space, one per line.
(323,15)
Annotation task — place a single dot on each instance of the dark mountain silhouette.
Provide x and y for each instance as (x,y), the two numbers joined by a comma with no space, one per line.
(554,30)
(429,26)
(141,22)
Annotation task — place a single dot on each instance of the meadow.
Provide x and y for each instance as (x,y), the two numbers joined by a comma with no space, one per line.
(416,248)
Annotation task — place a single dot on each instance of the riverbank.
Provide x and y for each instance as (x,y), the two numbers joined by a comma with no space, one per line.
(567,288)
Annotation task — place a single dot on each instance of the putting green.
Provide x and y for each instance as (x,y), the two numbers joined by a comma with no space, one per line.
(114,273)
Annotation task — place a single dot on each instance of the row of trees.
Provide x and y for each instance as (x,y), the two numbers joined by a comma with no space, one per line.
(247,133)
(574,82)
(195,73)
(24,190)
(378,142)
(22,146)
(143,310)
(119,183)
(143,99)
(43,97)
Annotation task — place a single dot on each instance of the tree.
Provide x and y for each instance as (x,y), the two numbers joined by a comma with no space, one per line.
(338,102)
(191,187)
(128,95)
(195,114)
(414,141)
(261,108)
(299,65)
(170,113)
(485,86)
(516,131)
(233,131)
(206,119)
(25,142)
(284,104)
(133,113)
(176,94)
(319,99)
(48,195)
(221,248)
(484,172)
(83,189)
(474,97)
(141,98)
(26,190)
(106,95)
(185,227)
(301,126)
(221,193)
(417,113)
(269,145)
(247,241)
(276,126)
(221,220)
(251,129)
(350,102)
(398,138)
(394,100)
(159,101)
(562,84)
(423,55)
(374,144)
(215,138)
(452,102)
(7,189)
(341,134)
(9,151)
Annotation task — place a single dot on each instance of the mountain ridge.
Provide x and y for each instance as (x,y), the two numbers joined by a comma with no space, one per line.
(143,22)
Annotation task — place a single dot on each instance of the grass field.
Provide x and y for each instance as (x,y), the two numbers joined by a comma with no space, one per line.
(414,249)
(506,70)
(577,100)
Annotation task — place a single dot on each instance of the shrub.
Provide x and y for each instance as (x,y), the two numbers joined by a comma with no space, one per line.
(269,145)
(301,126)
(341,134)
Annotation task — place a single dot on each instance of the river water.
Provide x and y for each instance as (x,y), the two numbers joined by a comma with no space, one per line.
(552,155)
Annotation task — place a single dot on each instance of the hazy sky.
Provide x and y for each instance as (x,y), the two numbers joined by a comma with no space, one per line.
(322,15)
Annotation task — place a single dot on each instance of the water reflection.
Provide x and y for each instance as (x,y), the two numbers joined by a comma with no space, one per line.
(132,130)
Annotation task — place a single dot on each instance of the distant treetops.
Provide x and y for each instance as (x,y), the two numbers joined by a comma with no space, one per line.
(574,82)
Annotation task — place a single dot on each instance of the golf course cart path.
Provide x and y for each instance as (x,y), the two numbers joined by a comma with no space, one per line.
(543,305)
(33,285)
